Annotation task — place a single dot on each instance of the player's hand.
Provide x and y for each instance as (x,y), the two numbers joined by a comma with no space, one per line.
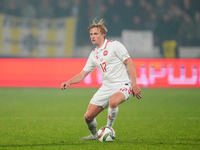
(137,92)
(64,85)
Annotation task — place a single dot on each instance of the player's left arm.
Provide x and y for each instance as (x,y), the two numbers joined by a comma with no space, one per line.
(132,73)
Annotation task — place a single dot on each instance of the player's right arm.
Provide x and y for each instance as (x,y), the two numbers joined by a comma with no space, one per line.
(89,67)
(76,79)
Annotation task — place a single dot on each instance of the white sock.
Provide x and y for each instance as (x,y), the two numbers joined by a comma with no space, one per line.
(92,126)
(112,114)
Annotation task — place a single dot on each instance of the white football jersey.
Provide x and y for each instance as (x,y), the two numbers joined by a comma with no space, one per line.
(109,59)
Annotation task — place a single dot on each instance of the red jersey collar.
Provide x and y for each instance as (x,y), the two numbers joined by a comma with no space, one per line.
(103,46)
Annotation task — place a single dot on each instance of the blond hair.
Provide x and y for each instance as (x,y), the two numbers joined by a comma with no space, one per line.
(100,25)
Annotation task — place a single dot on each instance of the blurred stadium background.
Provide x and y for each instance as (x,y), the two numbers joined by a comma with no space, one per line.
(29,27)
(150,29)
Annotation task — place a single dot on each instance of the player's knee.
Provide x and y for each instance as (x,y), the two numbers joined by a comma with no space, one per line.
(112,103)
(88,118)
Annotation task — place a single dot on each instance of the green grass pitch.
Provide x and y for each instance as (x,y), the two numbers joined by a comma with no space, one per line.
(48,118)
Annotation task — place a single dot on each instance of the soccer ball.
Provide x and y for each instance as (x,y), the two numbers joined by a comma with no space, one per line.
(106,134)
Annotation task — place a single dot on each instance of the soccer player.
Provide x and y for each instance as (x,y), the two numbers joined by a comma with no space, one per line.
(118,77)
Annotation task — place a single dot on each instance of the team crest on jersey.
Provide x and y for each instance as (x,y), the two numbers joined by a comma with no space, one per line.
(105,53)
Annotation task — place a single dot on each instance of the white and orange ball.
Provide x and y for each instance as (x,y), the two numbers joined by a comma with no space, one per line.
(106,134)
